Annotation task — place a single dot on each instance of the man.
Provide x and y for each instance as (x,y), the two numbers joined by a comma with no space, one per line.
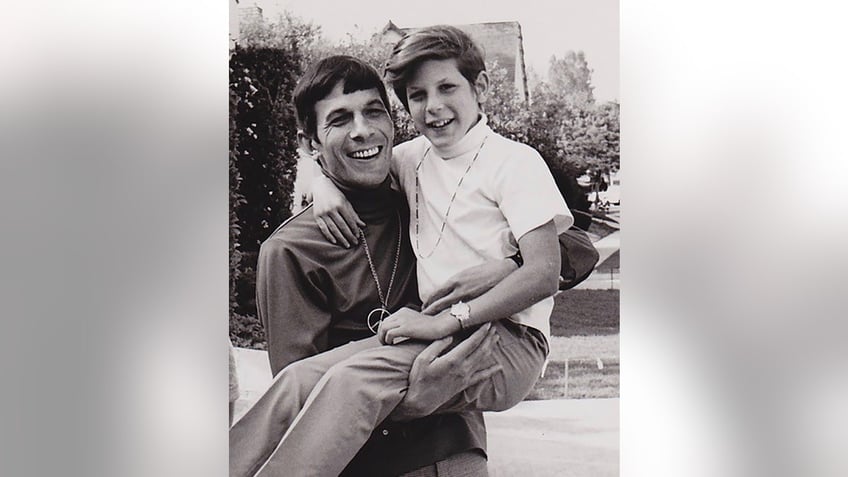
(313,296)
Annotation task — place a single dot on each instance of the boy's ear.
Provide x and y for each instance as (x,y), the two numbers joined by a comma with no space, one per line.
(481,87)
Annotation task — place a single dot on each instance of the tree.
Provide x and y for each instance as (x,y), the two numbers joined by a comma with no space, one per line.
(571,78)
(264,69)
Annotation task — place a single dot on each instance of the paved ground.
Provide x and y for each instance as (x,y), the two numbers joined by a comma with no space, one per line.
(562,438)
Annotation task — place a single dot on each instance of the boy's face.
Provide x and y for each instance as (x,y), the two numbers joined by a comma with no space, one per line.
(353,136)
(442,103)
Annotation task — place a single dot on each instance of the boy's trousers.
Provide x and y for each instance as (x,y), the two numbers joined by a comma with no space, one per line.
(319,411)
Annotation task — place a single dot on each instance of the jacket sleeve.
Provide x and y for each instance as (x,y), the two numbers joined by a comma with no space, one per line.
(291,306)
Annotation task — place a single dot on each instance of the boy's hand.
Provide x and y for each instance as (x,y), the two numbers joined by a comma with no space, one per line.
(468,284)
(437,377)
(407,323)
(334,214)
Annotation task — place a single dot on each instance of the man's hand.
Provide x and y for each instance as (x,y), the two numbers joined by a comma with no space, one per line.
(468,284)
(333,213)
(435,379)
(407,323)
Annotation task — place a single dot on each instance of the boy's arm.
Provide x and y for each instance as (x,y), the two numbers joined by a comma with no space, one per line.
(332,211)
(535,280)
(468,284)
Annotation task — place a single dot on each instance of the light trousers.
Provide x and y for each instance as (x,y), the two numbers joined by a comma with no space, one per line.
(319,411)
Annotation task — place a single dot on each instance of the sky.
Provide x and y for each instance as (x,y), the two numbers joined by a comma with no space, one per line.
(549,27)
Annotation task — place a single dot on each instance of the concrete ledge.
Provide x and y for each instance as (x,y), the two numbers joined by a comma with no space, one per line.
(554,438)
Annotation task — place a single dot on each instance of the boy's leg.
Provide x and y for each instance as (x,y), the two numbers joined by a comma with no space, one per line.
(521,353)
(254,436)
(342,411)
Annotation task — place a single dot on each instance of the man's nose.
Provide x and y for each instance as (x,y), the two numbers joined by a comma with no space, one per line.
(362,127)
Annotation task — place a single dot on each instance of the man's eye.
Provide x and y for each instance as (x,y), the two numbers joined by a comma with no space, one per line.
(375,112)
(338,121)
(447,88)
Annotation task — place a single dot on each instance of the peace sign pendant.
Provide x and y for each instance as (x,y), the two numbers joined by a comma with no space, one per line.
(380,313)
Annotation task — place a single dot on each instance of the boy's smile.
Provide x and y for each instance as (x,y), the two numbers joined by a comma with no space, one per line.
(442,103)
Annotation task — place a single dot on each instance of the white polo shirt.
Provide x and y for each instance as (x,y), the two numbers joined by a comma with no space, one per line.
(507,192)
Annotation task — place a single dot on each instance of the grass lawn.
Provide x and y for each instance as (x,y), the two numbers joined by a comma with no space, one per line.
(585,313)
(585,327)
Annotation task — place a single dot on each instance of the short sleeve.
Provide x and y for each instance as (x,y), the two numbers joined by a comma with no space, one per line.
(527,194)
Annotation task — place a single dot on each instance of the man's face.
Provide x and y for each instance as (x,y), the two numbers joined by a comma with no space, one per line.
(442,103)
(354,136)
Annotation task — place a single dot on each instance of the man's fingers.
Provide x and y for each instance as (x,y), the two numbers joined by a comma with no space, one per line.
(434,349)
(325,231)
(342,225)
(484,374)
(468,345)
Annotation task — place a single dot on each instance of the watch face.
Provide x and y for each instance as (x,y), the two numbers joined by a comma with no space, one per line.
(459,309)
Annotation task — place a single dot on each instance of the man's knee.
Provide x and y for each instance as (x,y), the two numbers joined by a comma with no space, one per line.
(372,374)
(298,378)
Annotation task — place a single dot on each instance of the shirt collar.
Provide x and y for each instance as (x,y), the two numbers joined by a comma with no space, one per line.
(371,204)
(470,142)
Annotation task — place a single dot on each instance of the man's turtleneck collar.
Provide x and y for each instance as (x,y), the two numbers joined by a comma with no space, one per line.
(371,204)
(470,142)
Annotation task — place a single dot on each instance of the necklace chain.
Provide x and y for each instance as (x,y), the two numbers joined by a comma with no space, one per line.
(384,300)
(450,204)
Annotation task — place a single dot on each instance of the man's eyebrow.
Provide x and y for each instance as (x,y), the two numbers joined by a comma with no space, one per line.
(337,112)
(375,102)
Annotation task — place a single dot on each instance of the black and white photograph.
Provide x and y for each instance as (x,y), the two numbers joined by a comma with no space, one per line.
(390,233)
(425,212)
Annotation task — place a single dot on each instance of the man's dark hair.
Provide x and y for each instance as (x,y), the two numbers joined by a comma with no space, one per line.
(320,79)
(439,42)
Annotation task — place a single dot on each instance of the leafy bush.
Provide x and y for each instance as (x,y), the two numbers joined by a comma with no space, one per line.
(263,158)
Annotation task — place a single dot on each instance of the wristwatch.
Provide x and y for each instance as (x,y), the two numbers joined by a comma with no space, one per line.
(462,312)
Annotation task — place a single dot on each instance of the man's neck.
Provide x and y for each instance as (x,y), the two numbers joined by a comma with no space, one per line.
(371,204)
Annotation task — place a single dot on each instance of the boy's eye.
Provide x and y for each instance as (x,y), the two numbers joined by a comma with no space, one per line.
(447,88)
(416,96)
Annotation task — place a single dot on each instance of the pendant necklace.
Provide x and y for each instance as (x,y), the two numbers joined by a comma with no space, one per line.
(382,311)
(450,204)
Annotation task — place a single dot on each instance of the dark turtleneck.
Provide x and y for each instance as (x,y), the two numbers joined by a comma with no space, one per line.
(374,204)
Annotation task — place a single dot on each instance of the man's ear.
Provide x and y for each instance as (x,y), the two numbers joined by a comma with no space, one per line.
(307,144)
(481,86)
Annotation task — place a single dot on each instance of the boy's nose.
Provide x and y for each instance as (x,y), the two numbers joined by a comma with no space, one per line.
(434,105)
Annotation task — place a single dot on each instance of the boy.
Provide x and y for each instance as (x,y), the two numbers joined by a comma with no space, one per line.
(473,196)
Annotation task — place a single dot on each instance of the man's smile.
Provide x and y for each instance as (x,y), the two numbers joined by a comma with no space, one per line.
(366,153)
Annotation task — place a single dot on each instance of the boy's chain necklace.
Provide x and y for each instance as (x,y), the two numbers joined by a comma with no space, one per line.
(450,204)
(382,311)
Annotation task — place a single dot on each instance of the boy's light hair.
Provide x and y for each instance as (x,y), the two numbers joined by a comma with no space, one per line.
(439,42)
